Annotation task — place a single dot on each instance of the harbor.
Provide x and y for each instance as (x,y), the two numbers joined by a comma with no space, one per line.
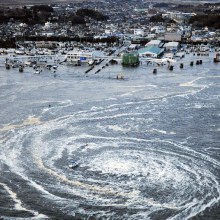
(92,62)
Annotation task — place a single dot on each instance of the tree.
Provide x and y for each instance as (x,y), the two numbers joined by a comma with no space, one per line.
(92,14)
(77,20)
(157,18)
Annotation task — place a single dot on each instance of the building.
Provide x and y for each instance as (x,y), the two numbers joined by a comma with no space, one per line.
(156,43)
(150,51)
(139,32)
(80,56)
(158,29)
(151,36)
(178,15)
(174,36)
(172,46)
(130,59)
(46,44)
(47,25)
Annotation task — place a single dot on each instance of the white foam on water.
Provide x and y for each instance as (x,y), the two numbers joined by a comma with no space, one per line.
(18,204)
(111,99)
(13,195)
(126,94)
(101,127)
(156,164)
(94,108)
(192,83)
(31,120)
(161,131)
(147,85)
(118,128)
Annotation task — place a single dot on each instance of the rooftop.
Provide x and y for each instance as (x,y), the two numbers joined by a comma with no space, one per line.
(171,44)
(150,49)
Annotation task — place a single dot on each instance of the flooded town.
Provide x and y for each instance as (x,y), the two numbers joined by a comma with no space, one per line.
(110,110)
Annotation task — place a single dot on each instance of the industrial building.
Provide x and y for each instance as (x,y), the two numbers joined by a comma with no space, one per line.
(151,51)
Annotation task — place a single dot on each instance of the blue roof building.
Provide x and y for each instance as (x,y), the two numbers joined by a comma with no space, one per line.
(150,51)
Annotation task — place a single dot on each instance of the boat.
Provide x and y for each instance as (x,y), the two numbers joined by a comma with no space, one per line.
(91,62)
(217,58)
(120,76)
(21,68)
(73,164)
(37,71)
(55,67)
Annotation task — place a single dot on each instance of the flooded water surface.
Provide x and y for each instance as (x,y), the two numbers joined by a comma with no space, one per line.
(148,147)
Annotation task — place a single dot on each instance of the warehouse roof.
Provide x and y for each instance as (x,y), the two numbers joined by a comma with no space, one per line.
(150,49)
(154,43)
(171,44)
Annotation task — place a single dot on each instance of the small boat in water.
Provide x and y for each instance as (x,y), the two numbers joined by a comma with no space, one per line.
(120,76)
(73,164)
(55,67)
(37,71)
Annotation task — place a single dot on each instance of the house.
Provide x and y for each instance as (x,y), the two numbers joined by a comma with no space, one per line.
(150,51)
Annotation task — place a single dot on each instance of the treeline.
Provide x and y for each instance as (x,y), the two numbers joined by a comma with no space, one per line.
(11,42)
(202,8)
(39,14)
(45,8)
(75,19)
(35,15)
(89,39)
(159,18)
(212,4)
(209,20)
(162,5)
(92,14)
(81,14)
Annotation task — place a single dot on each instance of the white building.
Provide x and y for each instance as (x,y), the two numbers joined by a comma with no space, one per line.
(23,25)
(81,56)
(108,31)
(177,15)
(151,36)
(47,25)
(139,32)
(156,43)
(171,46)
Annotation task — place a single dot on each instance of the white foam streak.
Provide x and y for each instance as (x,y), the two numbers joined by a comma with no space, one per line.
(18,204)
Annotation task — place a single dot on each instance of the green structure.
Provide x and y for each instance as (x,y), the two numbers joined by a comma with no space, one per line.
(130,59)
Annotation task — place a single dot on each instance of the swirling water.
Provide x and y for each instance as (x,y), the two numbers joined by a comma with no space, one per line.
(148,146)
